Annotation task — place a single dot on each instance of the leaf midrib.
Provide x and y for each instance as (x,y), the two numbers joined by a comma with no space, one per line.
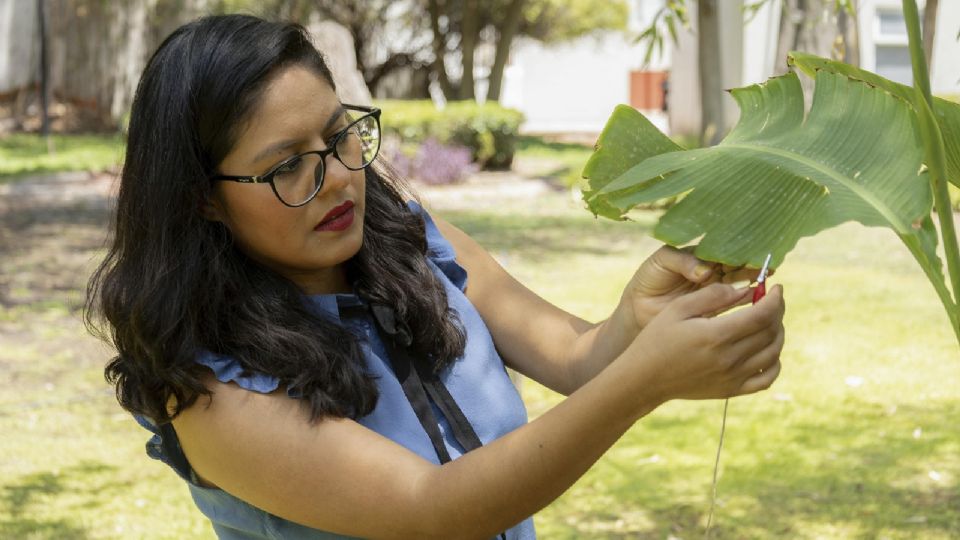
(883,209)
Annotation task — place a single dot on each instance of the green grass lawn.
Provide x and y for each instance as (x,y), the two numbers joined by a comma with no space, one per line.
(24,154)
(860,437)
(562,161)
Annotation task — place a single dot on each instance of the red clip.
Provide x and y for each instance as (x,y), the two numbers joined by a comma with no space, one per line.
(761,288)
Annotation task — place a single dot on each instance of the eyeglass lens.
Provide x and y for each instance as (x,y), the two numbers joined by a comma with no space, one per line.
(300,178)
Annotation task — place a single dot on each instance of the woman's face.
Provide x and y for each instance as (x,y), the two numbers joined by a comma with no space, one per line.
(297,113)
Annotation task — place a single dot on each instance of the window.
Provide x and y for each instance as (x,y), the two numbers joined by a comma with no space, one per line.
(892,24)
(892,51)
(893,62)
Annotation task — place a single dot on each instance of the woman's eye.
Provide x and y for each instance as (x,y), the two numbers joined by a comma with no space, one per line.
(289,166)
(330,140)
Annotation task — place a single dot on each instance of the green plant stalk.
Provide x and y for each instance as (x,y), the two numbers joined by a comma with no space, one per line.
(938,284)
(936,161)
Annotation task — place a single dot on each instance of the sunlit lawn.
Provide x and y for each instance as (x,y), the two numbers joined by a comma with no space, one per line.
(860,438)
(23,154)
(567,159)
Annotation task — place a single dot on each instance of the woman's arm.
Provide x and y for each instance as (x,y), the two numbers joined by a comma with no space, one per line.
(532,335)
(339,476)
(558,349)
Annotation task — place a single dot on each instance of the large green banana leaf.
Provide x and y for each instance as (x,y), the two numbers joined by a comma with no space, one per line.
(947,113)
(777,177)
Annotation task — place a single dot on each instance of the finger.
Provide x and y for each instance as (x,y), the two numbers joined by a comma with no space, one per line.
(707,300)
(746,356)
(745,301)
(760,381)
(742,274)
(759,352)
(744,322)
(729,269)
(747,298)
(682,262)
(715,276)
(737,274)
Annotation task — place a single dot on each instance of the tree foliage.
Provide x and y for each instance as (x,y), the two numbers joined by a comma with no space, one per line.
(460,28)
(552,21)
(390,35)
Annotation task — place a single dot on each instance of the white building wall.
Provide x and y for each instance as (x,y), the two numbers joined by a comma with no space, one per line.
(874,35)
(574,86)
(684,98)
(19,44)
(945,72)
(759,53)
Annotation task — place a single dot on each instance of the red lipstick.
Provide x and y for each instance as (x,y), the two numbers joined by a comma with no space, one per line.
(337,219)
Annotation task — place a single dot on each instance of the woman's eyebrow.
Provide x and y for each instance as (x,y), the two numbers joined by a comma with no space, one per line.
(287,143)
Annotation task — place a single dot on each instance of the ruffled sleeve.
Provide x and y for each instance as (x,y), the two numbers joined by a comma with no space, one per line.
(227,369)
(164,445)
(439,249)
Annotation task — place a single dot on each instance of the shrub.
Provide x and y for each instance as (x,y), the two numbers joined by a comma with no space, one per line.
(489,130)
(430,162)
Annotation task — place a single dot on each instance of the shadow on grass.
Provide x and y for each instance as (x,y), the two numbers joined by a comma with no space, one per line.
(848,470)
(47,251)
(875,475)
(25,502)
(23,217)
(527,143)
(538,236)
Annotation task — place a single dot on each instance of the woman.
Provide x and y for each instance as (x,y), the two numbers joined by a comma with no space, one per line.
(260,253)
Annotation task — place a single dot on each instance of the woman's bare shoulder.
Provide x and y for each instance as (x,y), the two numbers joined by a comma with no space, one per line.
(333,474)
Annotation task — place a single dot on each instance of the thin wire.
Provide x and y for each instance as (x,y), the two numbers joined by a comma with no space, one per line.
(716,469)
(723,425)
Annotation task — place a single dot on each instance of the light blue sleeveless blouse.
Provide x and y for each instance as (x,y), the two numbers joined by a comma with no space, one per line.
(478,382)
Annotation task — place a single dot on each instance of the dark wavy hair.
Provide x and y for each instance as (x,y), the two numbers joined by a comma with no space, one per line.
(173,284)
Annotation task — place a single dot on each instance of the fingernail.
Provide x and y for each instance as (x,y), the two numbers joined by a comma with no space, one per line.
(742,284)
(701,270)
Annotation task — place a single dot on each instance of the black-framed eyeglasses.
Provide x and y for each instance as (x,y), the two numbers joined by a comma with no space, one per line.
(297,179)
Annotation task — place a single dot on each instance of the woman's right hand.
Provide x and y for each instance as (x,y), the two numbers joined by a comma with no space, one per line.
(686,353)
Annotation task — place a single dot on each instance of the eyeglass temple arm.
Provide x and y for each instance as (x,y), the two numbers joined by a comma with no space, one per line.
(362,108)
(242,179)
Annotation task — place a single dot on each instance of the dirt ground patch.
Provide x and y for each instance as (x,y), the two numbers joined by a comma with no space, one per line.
(52,234)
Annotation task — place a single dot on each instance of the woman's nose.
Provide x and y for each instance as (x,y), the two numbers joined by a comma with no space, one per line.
(336,176)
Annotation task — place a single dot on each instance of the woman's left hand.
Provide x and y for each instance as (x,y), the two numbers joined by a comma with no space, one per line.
(672,272)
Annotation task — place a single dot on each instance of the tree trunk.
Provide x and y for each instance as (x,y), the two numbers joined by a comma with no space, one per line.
(44,75)
(359,48)
(98,49)
(83,55)
(815,26)
(469,33)
(394,62)
(439,51)
(711,85)
(509,28)
(791,17)
(849,28)
(929,29)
